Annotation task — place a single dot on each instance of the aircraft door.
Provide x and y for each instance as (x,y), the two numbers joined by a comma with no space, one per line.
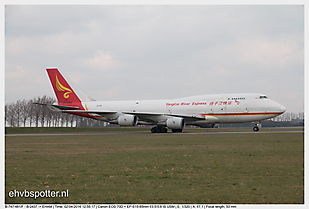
(169,107)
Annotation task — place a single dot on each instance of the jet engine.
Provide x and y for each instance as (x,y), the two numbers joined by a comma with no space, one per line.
(127,120)
(175,123)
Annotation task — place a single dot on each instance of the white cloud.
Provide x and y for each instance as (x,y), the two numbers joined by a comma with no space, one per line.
(100,61)
(18,72)
(154,52)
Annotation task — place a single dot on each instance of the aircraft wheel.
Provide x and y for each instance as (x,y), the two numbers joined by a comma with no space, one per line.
(154,130)
(255,128)
(161,129)
(176,130)
(158,129)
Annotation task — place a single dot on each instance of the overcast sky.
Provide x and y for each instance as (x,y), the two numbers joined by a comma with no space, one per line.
(157,52)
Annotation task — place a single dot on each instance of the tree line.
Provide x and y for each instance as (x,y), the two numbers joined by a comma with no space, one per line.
(289,116)
(24,113)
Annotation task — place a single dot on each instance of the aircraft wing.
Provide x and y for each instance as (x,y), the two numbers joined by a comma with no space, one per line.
(147,117)
(71,109)
(153,118)
(143,115)
(149,114)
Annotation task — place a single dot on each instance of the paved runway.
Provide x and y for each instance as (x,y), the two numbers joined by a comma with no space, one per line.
(248,132)
(109,133)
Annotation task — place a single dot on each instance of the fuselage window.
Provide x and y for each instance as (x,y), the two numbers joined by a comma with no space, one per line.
(236,98)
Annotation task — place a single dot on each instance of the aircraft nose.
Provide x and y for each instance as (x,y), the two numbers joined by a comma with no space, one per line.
(282,108)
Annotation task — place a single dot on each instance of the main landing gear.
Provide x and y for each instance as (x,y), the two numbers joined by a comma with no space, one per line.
(159,129)
(162,129)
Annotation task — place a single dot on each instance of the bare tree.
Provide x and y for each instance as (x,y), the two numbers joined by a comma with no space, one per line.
(72,118)
(30,109)
(24,108)
(17,110)
(43,111)
(37,111)
(8,116)
(5,114)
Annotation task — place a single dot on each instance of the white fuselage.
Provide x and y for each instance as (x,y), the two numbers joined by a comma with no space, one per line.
(216,108)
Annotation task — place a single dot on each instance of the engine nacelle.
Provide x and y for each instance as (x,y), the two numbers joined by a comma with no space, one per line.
(175,123)
(127,120)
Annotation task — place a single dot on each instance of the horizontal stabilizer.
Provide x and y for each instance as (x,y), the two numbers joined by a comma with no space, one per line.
(65,107)
(99,112)
(58,107)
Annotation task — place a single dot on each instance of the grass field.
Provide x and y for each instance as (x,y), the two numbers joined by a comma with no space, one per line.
(135,166)
(45,130)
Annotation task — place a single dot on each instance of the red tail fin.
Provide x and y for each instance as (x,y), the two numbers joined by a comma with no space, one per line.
(63,91)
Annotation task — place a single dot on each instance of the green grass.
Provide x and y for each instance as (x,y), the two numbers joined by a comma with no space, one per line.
(44,130)
(158,168)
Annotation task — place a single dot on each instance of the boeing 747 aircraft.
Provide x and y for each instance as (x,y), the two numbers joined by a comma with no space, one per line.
(203,111)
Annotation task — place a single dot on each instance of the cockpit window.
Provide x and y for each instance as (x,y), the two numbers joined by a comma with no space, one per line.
(263,97)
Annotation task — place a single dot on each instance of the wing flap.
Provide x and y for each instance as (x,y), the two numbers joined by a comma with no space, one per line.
(143,113)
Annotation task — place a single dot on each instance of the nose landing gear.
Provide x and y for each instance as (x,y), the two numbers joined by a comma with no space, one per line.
(256,126)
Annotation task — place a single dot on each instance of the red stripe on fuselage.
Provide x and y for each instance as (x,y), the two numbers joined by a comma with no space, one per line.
(225,114)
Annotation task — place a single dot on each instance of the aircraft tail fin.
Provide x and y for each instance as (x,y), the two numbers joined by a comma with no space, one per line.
(66,92)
